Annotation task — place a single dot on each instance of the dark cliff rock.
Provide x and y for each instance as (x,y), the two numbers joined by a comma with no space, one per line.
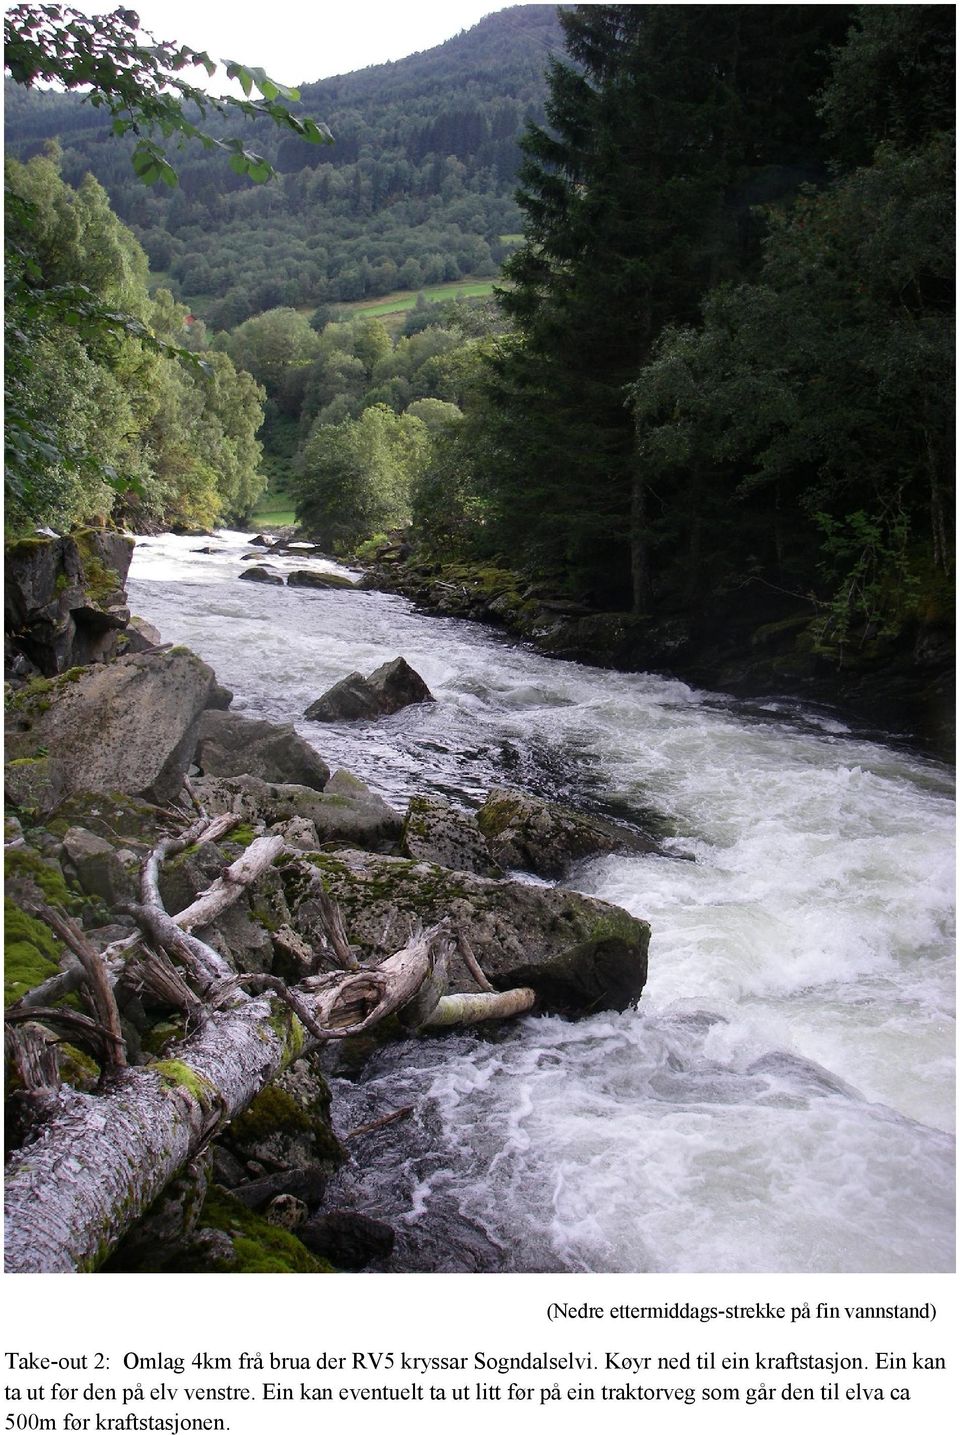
(64,602)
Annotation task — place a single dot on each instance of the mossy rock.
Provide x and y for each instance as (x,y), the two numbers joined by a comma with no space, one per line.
(579,954)
(288,1123)
(115,816)
(31,953)
(256,1246)
(24,865)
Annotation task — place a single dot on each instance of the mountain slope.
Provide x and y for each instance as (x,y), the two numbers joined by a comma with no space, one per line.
(417,188)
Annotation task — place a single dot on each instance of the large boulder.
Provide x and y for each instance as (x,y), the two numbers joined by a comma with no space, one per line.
(345,811)
(529,834)
(64,602)
(140,636)
(579,954)
(101,869)
(316,578)
(228,744)
(261,574)
(389,688)
(436,831)
(129,726)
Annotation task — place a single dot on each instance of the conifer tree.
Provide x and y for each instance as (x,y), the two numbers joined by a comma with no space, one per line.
(667,126)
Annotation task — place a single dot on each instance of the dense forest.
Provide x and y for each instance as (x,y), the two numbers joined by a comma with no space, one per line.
(714,391)
(726,398)
(417,187)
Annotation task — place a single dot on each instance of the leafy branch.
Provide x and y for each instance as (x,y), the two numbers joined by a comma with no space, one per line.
(143,87)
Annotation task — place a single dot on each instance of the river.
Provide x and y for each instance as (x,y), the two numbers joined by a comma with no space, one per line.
(783,1098)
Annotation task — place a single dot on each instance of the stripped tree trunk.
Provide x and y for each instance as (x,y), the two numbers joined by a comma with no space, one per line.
(101,1160)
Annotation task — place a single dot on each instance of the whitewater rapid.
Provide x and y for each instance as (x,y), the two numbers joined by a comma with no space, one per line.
(783,1099)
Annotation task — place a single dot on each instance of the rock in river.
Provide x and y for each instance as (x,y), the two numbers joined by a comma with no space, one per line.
(389,688)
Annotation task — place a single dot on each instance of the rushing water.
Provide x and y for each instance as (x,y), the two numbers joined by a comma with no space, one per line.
(783,1098)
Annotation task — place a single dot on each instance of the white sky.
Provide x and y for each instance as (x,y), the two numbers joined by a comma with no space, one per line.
(297,42)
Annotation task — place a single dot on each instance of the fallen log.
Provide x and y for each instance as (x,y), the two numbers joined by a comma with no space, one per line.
(101,1160)
(225,890)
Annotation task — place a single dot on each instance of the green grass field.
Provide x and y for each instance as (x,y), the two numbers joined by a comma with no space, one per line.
(275,510)
(403,299)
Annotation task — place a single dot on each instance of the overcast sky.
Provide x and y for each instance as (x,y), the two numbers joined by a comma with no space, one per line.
(297,41)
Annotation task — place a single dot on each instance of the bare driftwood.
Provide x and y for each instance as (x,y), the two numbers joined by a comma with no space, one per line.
(96,977)
(400,1114)
(100,1160)
(208,906)
(31,1053)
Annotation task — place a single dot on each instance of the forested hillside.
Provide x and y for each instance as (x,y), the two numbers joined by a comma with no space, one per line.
(716,393)
(727,402)
(417,187)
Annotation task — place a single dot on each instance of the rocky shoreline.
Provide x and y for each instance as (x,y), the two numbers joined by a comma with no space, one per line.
(115,741)
(901,686)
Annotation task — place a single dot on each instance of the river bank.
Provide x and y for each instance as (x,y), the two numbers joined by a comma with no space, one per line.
(782,1099)
(104,723)
(898,686)
(796,1022)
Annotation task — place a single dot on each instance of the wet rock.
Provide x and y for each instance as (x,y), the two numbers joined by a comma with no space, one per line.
(219,697)
(261,541)
(389,688)
(259,574)
(579,954)
(229,744)
(129,726)
(532,835)
(348,700)
(140,636)
(436,831)
(314,578)
(349,1240)
(306,1184)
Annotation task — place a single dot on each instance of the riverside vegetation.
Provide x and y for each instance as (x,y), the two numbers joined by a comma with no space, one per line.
(712,400)
(703,430)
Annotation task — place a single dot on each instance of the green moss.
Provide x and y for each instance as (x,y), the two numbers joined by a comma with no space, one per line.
(180,858)
(177,1074)
(18,699)
(618,925)
(242,835)
(291,1031)
(31,953)
(26,865)
(111,815)
(100,581)
(258,1246)
(273,1110)
(496,815)
(162,1034)
(265,918)
(77,1068)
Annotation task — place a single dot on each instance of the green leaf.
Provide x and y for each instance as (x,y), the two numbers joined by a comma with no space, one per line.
(242,74)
